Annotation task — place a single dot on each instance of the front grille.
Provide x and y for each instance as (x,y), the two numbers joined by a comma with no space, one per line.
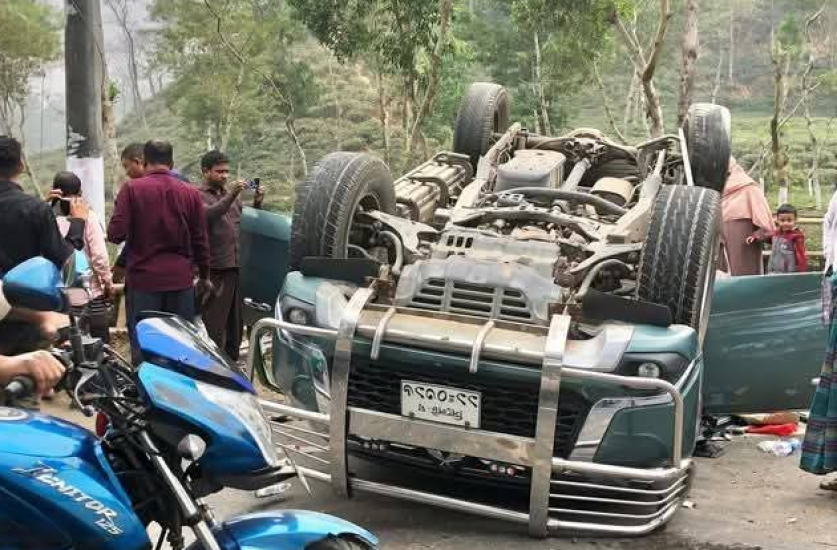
(506,408)
(472,299)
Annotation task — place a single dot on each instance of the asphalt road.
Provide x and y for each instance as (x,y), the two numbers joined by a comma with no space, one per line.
(743,500)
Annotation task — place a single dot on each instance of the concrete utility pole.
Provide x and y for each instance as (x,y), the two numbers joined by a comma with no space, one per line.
(84,71)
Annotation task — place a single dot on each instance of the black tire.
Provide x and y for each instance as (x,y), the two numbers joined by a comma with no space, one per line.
(677,266)
(342,542)
(327,199)
(708,137)
(483,112)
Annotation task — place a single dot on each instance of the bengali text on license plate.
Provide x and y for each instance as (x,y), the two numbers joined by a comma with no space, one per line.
(440,404)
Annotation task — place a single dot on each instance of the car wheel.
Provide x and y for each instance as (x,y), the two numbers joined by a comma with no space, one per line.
(327,200)
(708,137)
(483,112)
(677,266)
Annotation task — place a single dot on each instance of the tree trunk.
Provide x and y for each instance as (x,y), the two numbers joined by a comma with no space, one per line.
(731,66)
(337,107)
(814,172)
(133,72)
(383,114)
(608,111)
(152,86)
(689,55)
(445,8)
(546,127)
(120,10)
(647,67)
(111,151)
(291,127)
(232,107)
(408,115)
(655,109)
(717,87)
(28,168)
(779,161)
(629,100)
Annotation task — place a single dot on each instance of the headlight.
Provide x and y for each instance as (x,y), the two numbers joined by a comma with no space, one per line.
(298,316)
(246,408)
(648,370)
(665,366)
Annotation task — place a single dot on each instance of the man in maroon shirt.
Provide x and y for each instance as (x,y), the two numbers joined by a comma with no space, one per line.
(165,223)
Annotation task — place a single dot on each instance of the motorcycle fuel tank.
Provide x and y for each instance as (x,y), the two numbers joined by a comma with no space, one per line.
(57,490)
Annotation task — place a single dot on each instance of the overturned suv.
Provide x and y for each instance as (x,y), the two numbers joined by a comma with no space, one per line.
(524,310)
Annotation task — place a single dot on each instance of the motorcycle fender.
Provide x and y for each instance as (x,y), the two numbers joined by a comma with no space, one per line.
(285,529)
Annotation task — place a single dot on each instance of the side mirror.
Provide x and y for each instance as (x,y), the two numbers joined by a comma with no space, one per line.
(35,284)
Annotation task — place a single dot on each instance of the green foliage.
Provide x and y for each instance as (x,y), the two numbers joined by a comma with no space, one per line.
(28,40)
(392,32)
(318,61)
(233,65)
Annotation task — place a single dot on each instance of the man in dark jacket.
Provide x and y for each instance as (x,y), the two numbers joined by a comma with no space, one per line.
(28,229)
(165,224)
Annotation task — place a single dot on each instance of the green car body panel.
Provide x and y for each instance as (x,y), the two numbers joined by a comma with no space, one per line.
(265,237)
(765,343)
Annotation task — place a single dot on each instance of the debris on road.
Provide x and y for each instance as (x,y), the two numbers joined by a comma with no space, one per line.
(274,490)
(781,430)
(780,447)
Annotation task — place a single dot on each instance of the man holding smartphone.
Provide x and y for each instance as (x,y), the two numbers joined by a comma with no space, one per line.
(222,310)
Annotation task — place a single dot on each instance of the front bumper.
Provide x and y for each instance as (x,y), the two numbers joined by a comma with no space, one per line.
(566,491)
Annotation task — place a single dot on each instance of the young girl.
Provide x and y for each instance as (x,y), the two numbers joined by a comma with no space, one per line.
(67,185)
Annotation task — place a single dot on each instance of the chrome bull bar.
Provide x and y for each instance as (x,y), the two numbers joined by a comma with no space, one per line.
(531,452)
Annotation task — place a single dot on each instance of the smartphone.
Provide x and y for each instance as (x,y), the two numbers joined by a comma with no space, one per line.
(61,207)
(254,184)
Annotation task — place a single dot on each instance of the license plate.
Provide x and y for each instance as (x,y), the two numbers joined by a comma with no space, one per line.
(440,404)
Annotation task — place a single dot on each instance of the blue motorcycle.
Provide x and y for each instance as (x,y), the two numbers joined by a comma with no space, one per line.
(182,426)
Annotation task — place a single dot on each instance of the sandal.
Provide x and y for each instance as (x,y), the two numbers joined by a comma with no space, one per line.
(829,485)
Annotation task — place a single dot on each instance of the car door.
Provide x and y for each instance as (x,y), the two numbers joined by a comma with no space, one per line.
(265,241)
(765,343)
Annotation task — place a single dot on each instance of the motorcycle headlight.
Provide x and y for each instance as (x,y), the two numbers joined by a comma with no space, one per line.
(247,409)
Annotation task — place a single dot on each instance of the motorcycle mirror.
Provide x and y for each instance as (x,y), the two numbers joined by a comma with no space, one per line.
(35,284)
(191,447)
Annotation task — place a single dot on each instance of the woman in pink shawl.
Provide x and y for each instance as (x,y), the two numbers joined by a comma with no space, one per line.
(745,210)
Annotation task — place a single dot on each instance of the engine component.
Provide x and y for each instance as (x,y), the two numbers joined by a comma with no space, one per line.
(615,190)
(531,168)
(431,185)
(538,255)
(508,291)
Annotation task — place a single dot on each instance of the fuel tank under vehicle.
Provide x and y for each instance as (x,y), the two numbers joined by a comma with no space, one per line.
(54,475)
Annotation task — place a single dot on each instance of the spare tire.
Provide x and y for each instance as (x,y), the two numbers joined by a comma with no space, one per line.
(708,137)
(677,266)
(326,202)
(483,112)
